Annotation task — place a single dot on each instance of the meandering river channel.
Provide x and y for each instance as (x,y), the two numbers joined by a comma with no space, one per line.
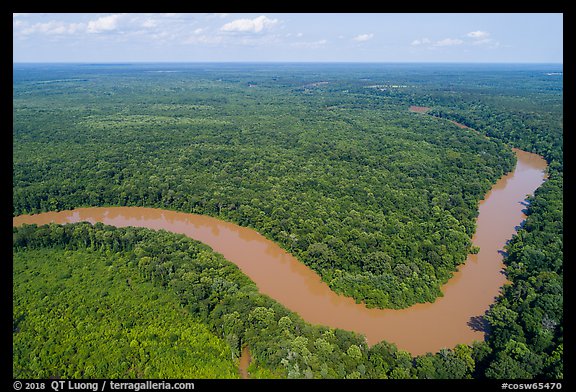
(418,329)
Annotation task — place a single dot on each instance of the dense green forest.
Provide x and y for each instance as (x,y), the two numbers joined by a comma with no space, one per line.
(526,323)
(325,160)
(344,180)
(84,314)
(122,274)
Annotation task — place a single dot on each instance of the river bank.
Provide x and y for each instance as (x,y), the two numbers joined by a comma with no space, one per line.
(451,319)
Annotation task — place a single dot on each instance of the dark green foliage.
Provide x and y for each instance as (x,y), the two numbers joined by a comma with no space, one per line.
(379,201)
(523,128)
(524,109)
(526,322)
(446,364)
(343,178)
(153,267)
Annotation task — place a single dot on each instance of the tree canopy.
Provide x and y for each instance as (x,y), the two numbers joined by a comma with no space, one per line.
(327,161)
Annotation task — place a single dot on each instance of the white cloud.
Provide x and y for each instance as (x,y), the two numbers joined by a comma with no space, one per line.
(482,38)
(477,37)
(52,28)
(423,41)
(198,31)
(105,23)
(363,37)
(478,34)
(448,42)
(255,25)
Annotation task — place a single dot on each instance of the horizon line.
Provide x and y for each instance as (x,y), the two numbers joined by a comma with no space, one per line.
(284,62)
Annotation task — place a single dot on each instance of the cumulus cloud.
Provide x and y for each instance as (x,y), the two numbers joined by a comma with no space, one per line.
(363,37)
(104,23)
(482,38)
(255,25)
(477,38)
(423,41)
(478,34)
(52,28)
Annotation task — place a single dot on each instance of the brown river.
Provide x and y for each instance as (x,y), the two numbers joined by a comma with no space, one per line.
(421,328)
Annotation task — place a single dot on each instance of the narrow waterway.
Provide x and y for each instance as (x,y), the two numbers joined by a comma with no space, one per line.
(450,320)
(245,360)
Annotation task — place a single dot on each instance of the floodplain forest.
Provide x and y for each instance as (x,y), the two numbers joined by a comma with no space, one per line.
(325,160)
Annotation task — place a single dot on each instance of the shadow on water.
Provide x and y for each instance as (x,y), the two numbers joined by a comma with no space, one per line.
(479,323)
(526,204)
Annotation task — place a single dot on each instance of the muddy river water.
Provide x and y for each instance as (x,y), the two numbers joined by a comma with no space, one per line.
(450,320)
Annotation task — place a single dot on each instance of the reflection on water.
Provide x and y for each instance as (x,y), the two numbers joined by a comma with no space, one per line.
(450,320)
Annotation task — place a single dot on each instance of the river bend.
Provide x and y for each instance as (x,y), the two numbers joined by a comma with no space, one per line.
(418,329)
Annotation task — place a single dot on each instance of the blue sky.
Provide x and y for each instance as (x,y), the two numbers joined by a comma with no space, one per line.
(354,37)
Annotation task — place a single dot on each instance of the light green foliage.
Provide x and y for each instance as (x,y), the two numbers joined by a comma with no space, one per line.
(217,299)
(80,314)
(379,201)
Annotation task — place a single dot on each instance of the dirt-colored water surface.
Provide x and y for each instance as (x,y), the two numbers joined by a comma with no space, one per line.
(419,109)
(245,360)
(450,320)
